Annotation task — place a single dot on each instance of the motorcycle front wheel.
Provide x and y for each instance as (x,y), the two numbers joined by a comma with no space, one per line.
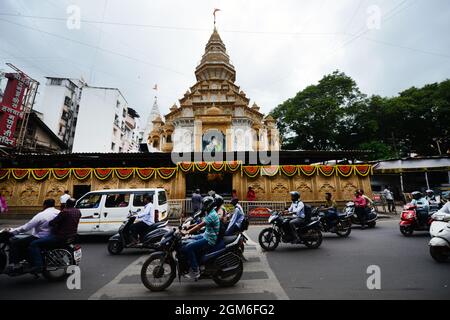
(406,231)
(115,247)
(313,238)
(269,239)
(156,273)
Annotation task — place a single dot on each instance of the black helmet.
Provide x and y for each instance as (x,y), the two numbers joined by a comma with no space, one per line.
(234,201)
(208,203)
(218,200)
(430,192)
(416,195)
(295,196)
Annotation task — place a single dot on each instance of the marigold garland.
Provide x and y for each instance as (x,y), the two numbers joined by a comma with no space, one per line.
(250,171)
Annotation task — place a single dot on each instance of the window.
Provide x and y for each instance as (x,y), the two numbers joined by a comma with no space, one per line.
(56,82)
(67,101)
(90,201)
(138,200)
(113,146)
(117,104)
(120,149)
(162,198)
(117,200)
(169,138)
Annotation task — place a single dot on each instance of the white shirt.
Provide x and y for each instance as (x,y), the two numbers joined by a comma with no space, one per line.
(148,214)
(64,198)
(388,194)
(297,208)
(39,223)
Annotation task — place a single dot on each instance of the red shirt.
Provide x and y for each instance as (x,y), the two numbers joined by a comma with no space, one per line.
(360,202)
(251,196)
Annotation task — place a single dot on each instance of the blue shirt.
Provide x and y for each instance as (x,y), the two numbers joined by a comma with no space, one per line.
(298,209)
(212,223)
(237,218)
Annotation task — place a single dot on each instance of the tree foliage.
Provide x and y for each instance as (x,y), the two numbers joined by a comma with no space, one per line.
(334,114)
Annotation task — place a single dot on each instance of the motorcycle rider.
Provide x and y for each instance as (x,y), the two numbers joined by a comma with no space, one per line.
(330,209)
(64,228)
(360,208)
(434,201)
(236,219)
(145,219)
(446,208)
(422,205)
(207,240)
(39,226)
(297,208)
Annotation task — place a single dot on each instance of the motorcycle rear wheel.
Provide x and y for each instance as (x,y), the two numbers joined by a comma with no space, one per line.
(439,254)
(268,239)
(372,224)
(314,239)
(56,263)
(158,271)
(231,280)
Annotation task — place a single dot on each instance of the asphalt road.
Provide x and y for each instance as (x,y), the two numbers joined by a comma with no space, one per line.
(336,270)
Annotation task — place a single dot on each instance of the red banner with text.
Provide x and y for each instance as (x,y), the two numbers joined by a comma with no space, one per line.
(11,107)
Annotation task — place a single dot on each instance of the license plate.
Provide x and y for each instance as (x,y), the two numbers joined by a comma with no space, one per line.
(77,255)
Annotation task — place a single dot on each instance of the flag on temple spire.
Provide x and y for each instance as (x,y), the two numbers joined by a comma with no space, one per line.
(214,14)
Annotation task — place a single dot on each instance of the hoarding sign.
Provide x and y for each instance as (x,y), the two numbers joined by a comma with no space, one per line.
(11,107)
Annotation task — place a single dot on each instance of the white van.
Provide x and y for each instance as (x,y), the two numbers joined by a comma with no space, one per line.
(104,211)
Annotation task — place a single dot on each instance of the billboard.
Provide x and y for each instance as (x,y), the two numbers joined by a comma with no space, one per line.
(11,107)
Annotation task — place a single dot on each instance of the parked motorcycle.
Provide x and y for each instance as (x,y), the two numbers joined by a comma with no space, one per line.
(371,219)
(222,264)
(122,239)
(56,259)
(342,227)
(280,231)
(410,221)
(440,244)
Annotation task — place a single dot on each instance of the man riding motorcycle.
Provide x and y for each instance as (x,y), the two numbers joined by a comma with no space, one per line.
(236,219)
(39,227)
(330,209)
(64,229)
(207,240)
(297,208)
(422,206)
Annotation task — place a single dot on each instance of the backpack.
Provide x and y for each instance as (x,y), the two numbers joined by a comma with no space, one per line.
(245,223)
(308,212)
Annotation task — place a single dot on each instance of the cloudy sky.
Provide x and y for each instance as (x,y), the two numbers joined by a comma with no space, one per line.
(277,47)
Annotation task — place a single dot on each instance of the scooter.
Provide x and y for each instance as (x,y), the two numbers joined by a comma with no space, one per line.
(56,259)
(222,264)
(371,219)
(410,222)
(280,231)
(342,227)
(122,239)
(440,220)
(440,244)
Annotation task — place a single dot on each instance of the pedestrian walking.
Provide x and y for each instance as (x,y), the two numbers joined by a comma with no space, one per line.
(3,203)
(389,196)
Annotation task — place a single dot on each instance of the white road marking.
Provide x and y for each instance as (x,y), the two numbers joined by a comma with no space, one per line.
(261,280)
